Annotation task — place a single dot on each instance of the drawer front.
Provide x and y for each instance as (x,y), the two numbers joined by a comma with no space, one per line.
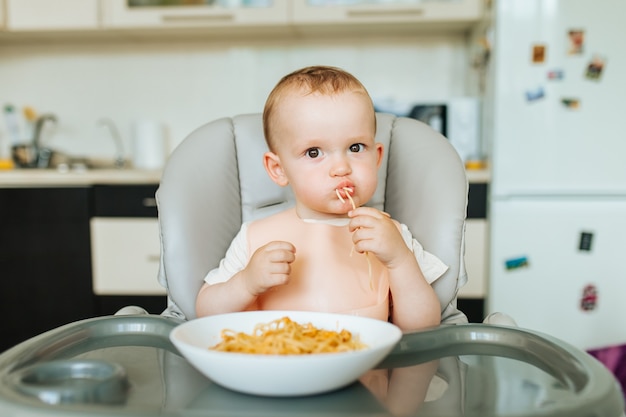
(125,200)
(476,233)
(125,256)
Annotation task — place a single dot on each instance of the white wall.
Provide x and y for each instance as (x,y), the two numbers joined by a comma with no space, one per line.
(185,84)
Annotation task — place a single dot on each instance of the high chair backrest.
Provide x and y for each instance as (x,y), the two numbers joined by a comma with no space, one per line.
(215,180)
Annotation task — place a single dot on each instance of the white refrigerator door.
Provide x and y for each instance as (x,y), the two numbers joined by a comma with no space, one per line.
(558,266)
(542,145)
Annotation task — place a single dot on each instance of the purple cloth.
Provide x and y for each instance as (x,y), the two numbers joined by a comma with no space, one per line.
(614,358)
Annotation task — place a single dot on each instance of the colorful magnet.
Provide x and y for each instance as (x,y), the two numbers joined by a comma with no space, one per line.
(589,299)
(539,54)
(556,75)
(595,68)
(571,103)
(576,39)
(515,263)
(535,94)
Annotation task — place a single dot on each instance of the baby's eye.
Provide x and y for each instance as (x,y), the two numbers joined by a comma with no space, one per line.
(357,147)
(313,152)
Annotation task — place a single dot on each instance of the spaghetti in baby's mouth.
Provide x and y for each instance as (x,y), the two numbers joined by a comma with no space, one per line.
(348,191)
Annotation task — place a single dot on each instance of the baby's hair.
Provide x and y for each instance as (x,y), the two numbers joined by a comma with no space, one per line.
(319,79)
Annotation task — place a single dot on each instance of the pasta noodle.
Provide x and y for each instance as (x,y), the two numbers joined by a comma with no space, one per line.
(286,337)
(367,258)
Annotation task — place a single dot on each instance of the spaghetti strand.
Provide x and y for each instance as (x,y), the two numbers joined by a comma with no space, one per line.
(367,258)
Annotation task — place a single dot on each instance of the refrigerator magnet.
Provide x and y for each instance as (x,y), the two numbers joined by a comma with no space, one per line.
(538,54)
(595,68)
(589,299)
(584,244)
(556,75)
(535,94)
(576,39)
(571,103)
(516,263)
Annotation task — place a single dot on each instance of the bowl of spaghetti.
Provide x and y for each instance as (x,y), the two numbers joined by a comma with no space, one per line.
(284,353)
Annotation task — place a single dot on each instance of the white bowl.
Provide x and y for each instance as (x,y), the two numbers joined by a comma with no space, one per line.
(283,375)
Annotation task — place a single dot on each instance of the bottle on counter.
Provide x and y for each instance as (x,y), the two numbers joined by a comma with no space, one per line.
(6,158)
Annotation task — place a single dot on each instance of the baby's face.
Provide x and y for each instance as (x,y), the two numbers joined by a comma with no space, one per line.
(326,143)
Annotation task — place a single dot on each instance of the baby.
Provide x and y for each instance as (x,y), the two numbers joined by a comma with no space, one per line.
(329,252)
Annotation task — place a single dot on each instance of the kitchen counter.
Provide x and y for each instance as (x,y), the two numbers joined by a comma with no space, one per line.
(478,175)
(53,178)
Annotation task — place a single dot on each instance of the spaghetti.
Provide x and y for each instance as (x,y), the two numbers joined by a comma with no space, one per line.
(286,337)
(367,258)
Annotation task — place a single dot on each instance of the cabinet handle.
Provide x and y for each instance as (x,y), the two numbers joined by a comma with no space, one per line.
(154,258)
(384,13)
(149,202)
(194,18)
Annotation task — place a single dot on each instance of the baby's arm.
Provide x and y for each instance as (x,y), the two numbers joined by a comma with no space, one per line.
(270,265)
(415,304)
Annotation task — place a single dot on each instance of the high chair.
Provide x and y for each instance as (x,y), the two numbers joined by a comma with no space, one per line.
(215,180)
(126,365)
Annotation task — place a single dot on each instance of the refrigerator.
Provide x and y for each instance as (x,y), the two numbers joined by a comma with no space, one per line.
(556,93)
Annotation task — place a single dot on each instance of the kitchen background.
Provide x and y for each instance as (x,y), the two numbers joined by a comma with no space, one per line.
(183,84)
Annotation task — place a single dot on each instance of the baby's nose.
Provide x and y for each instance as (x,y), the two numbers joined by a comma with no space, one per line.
(340,167)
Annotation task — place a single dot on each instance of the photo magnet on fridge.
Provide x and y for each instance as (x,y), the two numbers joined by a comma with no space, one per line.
(539,54)
(556,75)
(589,299)
(535,94)
(571,103)
(576,39)
(595,68)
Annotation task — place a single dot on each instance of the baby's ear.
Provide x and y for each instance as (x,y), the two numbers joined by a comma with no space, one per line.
(274,169)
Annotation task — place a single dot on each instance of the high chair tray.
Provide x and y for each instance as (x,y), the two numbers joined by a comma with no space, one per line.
(127,366)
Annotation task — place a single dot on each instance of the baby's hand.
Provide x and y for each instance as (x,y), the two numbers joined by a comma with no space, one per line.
(375,232)
(269,266)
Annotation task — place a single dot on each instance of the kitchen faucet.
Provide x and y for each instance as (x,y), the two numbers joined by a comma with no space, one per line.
(117,139)
(42,155)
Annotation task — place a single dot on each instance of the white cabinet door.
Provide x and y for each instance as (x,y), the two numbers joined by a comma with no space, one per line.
(125,254)
(118,14)
(312,11)
(39,15)
(476,237)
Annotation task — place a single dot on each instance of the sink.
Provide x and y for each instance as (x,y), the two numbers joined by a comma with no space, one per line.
(27,156)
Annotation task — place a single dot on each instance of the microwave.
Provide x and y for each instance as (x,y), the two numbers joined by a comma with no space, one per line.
(458,119)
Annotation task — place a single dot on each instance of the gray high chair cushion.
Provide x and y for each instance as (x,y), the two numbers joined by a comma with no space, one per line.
(215,180)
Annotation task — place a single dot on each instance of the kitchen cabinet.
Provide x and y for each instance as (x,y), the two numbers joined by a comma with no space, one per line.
(143,14)
(149,19)
(125,248)
(410,15)
(52,15)
(45,267)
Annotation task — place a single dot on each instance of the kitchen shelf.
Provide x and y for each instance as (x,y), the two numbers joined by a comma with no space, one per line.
(93,20)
